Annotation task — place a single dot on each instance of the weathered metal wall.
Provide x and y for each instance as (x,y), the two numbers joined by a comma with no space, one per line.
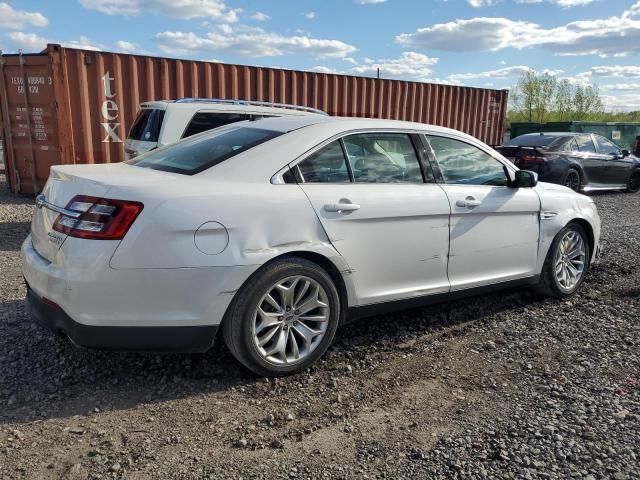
(89,100)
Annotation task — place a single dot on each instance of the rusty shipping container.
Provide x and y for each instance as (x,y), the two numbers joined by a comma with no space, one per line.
(66,106)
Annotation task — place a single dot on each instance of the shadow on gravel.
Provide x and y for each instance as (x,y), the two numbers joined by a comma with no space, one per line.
(45,376)
(13,234)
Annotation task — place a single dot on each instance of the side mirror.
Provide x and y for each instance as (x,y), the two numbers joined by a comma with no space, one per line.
(625,153)
(525,179)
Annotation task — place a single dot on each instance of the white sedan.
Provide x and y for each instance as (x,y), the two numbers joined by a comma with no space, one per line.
(274,232)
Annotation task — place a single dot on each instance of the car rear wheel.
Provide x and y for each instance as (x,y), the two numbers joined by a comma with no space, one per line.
(634,183)
(566,264)
(572,180)
(284,318)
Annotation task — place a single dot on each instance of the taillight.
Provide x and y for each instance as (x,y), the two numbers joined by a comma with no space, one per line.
(99,219)
(532,159)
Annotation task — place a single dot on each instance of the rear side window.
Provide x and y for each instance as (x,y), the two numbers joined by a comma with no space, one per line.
(203,121)
(465,164)
(197,154)
(383,158)
(585,144)
(607,147)
(146,126)
(327,165)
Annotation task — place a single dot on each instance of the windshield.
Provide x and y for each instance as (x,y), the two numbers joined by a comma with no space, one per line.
(203,151)
(146,126)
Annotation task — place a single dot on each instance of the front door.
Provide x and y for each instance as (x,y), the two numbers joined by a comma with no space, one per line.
(390,225)
(494,229)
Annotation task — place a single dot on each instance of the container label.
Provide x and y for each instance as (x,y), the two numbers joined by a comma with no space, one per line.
(109,111)
(616,135)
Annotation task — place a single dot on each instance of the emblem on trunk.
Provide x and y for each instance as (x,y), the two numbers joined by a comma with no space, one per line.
(41,200)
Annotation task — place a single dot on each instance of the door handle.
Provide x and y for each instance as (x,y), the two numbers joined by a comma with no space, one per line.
(468,202)
(341,207)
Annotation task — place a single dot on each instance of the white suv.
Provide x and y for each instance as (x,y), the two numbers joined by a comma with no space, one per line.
(164,122)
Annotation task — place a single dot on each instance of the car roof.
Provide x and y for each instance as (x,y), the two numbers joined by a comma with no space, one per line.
(288,124)
(552,134)
(227,105)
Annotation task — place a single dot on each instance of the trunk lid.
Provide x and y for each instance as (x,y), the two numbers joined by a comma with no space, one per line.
(67,181)
(57,193)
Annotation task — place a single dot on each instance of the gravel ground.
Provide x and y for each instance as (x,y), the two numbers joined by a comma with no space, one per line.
(500,386)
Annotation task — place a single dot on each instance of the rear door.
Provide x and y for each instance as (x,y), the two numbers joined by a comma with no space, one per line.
(389,222)
(494,229)
(593,164)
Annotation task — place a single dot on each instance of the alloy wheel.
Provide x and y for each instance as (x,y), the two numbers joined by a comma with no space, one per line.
(573,181)
(291,320)
(570,260)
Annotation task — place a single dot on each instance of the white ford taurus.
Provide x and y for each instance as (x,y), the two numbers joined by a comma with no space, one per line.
(274,232)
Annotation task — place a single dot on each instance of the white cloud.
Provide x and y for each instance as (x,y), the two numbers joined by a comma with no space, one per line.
(260,16)
(369,2)
(621,71)
(408,66)
(184,9)
(127,47)
(83,43)
(36,43)
(609,36)
(310,15)
(621,87)
(625,102)
(251,42)
(322,69)
(17,19)
(476,34)
(562,3)
(28,41)
(507,72)
(482,3)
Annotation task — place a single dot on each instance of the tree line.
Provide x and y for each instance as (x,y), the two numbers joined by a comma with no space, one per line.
(541,97)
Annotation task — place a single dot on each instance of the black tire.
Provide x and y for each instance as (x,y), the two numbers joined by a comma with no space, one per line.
(634,183)
(573,180)
(548,284)
(237,326)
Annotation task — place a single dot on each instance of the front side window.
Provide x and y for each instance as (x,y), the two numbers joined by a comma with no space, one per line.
(327,165)
(203,121)
(607,147)
(585,144)
(383,158)
(196,154)
(465,164)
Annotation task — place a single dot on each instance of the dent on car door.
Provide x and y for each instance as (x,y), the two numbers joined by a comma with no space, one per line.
(494,229)
(391,227)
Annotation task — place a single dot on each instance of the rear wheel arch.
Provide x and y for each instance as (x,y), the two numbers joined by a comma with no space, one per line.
(320,260)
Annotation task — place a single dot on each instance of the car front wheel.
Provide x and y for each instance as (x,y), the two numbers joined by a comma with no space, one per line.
(634,182)
(284,318)
(566,264)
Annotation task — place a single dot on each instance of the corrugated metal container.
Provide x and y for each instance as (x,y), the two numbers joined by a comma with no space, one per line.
(621,133)
(66,106)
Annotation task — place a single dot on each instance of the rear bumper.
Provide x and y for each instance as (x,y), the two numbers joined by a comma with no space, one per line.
(157,339)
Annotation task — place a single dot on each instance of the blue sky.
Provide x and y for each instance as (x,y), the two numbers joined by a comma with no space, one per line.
(486,43)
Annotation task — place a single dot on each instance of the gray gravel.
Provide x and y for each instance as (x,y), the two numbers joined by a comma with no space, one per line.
(500,386)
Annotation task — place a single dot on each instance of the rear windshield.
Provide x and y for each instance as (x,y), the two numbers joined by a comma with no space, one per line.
(536,140)
(200,152)
(146,126)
